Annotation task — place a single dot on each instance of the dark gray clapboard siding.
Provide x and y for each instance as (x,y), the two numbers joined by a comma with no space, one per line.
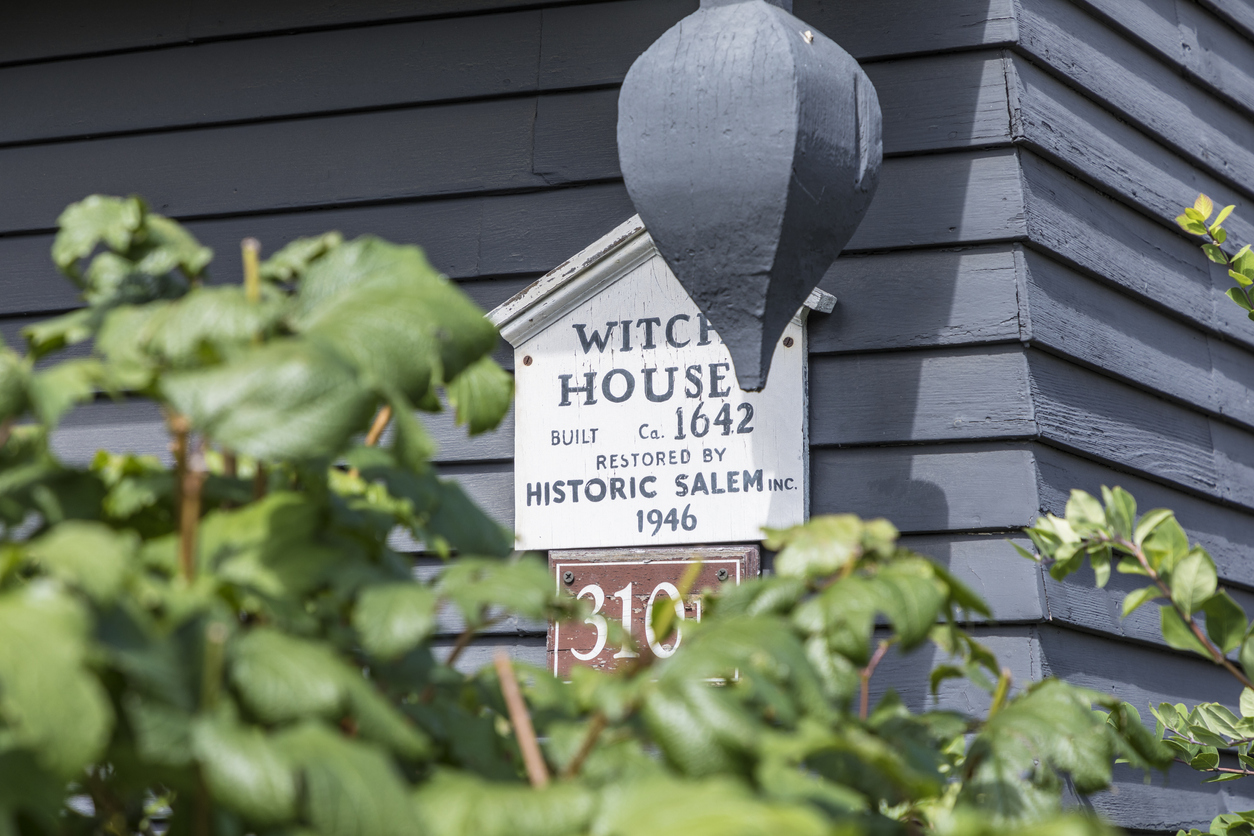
(958,394)
(33,31)
(1185,34)
(74,27)
(1078,225)
(944,199)
(1079,317)
(931,488)
(876,30)
(918,298)
(503,235)
(392,155)
(1224,531)
(1144,89)
(942,102)
(934,200)
(1010,584)
(326,71)
(1238,13)
(1084,411)
(1082,137)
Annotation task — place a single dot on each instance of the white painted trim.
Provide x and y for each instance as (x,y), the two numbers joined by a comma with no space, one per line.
(572,282)
(584,275)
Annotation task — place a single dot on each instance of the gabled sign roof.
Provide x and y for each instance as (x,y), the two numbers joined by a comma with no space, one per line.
(586,274)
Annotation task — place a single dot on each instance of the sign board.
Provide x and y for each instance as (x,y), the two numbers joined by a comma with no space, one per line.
(624,586)
(630,428)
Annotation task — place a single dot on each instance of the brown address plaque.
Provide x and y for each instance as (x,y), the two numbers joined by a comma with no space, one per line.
(624,585)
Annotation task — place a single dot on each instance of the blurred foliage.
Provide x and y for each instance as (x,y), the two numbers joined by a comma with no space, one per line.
(228,644)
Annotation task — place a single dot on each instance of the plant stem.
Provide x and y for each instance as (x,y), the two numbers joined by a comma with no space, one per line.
(380,424)
(211,676)
(1220,769)
(1217,655)
(595,728)
(537,771)
(6,430)
(1000,693)
(865,675)
(250,248)
(466,637)
(189,514)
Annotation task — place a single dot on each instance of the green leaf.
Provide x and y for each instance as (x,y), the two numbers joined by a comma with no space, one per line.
(1223,214)
(94,220)
(13,382)
(56,391)
(89,555)
(1247,702)
(463,525)
(290,399)
(294,259)
(1218,233)
(1194,214)
(1148,523)
(481,395)
(1237,295)
(68,329)
(1203,205)
(817,548)
(1190,225)
(1241,279)
(351,787)
(50,700)
(461,804)
(1084,509)
(413,445)
(1225,621)
(1120,510)
(1166,546)
(1205,760)
(245,771)
(1193,581)
(1135,599)
(386,310)
(1243,261)
(163,733)
(1246,655)
(1177,634)
(282,678)
(392,619)
(1214,253)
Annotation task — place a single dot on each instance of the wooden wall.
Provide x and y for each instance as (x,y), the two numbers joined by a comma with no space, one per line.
(1018,314)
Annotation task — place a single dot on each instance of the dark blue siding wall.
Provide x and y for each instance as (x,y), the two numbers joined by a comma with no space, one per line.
(1018,314)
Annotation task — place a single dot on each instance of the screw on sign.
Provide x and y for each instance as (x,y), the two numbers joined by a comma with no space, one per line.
(622,589)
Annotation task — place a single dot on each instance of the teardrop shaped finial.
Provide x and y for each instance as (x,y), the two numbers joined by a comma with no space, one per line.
(750,145)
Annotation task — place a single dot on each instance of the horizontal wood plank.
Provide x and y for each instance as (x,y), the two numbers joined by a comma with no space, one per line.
(869,31)
(1145,90)
(1080,226)
(959,394)
(75,27)
(918,298)
(504,235)
(1079,135)
(1238,13)
(1189,36)
(1082,318)
(1010,584)
(63,28)
(942,102)
(287,75)
(944,199)
(932,488)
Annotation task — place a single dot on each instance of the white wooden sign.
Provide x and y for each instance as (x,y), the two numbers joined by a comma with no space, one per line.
(630,428)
